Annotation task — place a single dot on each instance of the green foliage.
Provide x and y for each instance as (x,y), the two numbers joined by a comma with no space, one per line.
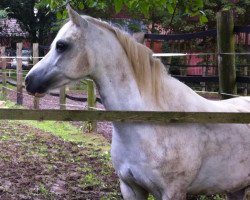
(134,27)
(107,7)
(36,24)
(181,22)
(100,8)
(240,9)
(3,13)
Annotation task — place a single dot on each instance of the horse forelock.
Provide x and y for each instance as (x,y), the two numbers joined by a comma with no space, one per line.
(149,72)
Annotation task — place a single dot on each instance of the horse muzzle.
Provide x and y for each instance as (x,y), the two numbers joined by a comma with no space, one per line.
(39,81)
(34,86)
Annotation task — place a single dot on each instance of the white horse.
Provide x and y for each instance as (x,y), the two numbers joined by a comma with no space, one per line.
(166,160)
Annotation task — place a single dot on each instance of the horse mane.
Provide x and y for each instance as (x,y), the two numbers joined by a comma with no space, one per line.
(148,71)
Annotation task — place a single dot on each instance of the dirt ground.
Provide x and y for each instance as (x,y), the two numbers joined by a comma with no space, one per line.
(37,165)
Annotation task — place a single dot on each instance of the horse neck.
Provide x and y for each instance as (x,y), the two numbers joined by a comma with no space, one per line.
(119,91)
(116,85)
(115,79)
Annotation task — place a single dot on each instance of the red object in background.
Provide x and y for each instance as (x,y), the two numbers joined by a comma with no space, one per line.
(157,46)
(194,71)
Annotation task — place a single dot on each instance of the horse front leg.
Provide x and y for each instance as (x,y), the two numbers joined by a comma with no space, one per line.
(132,191)
(243,194)
(176,196)
(239,195)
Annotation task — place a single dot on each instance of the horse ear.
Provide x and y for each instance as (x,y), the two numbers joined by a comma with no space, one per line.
(76,18)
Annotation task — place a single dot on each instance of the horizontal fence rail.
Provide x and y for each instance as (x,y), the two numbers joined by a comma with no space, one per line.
(197,79)
(213,79)
(125,116)
(191,36)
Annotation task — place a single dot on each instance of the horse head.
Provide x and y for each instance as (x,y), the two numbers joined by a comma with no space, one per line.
(70,57)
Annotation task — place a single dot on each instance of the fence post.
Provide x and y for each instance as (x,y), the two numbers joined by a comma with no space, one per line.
(204,73)
(4,75)
(245,73)
(226,62)
(35,60)
(19,75)
(63,98)
(92,125)
(171,49)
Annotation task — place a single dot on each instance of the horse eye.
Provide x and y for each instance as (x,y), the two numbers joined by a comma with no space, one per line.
(61,46)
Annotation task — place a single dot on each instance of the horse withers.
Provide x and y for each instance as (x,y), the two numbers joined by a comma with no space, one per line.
(166,160)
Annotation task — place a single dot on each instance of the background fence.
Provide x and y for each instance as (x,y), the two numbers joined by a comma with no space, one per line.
(205,53)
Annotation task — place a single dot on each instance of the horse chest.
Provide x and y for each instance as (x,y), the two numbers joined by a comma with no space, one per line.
(133,167)
(139,156)
(129,153)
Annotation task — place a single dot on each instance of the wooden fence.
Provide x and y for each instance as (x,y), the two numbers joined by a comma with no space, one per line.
(125,116)
(227,36)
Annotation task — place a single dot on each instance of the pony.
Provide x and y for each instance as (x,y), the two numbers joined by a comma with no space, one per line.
(168,161)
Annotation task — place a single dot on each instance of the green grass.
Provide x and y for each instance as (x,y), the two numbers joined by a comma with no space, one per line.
(90,180)
(9,104)
(9,86)
(45,192)
(70,133)
(5,138)
(38,151)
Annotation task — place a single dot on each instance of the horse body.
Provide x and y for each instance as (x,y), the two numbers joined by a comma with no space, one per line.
(193,158)
(202,162)
(167,160)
